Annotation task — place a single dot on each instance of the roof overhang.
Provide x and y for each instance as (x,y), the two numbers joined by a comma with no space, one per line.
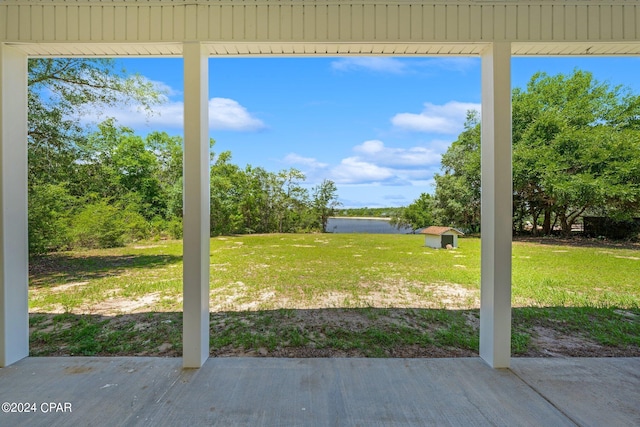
(320,27)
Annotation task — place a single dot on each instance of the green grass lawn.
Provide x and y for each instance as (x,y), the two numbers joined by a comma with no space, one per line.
(328,294)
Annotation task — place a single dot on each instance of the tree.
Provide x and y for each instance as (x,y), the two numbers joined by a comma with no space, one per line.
(116,164)
(574,141)
(296,199)
(137,171)
(50,207)
(231,204)
(168,151)
(418,214)
(324,202)
(531,164)
(457,195)
(59,90)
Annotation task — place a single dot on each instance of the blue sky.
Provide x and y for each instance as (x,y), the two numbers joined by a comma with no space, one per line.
(375,126)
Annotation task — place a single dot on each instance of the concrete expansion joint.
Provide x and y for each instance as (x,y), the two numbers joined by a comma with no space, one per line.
(545,398)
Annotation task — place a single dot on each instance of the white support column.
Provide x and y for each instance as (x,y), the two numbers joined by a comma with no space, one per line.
(14,251)
(497,195)
(196,206)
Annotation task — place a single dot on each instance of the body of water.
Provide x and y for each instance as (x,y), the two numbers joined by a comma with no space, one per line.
(364,225)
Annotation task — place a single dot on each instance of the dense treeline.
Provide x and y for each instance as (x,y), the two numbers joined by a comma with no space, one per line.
(576,151)
(253,200)
(387,212)
(104,187)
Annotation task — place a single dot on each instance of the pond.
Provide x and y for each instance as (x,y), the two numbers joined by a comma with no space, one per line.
(364,225)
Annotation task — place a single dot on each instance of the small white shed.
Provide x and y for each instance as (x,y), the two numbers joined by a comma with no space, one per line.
(440,237)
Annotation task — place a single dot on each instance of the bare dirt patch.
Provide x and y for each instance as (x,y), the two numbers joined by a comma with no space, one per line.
(60,288)
(547,342)
(554,343)
(113,306)
(325,321)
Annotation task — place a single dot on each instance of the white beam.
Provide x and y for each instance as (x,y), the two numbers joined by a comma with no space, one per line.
(497,184)
(14,252)
(196,207)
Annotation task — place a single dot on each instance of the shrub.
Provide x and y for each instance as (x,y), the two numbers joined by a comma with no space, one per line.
(165,228)
(49,218)
(99,225)
(136,226)
(174,227)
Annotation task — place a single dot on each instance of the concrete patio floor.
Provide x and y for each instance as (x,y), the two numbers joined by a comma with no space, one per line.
(129,391)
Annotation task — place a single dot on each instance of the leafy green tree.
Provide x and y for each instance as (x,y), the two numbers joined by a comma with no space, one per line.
(532,163)
(116,164)
(292,212)
(230,204)
(418,214)
(574,140)
(575,145)
(264,194)
(278,199)
(168,151)
(457,195)
(174,200)
(59,91)
(324,202)
(137,172)
(96,173)
(622,176)
(50,206)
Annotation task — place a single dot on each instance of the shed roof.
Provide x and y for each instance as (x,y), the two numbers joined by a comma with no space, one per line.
(438,231)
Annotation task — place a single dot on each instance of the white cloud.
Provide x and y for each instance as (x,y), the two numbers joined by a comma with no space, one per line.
(296,159)
(163,88)
(170,114)
(224,114)
(377,64)
(446,119)
(376,163)
(375,151)
(314,170)
(373,163)
(405,66)
(371,147)
(228,114)
(352,170)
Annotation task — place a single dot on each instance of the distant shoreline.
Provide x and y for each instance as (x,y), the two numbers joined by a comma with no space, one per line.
(380,218)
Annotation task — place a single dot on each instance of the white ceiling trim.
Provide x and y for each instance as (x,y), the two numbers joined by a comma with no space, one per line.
(323,49)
